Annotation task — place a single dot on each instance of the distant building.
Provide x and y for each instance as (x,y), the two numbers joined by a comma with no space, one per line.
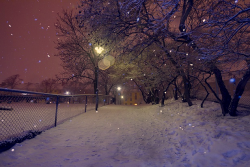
(129,95)
(132,98)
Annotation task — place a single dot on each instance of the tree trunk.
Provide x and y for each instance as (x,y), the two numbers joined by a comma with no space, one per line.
(175,91)
(226,98)
(96,80)
(204,88)
(143,93)
(96,87)
(238,93)
(186,92)
(162,99)
(164,94)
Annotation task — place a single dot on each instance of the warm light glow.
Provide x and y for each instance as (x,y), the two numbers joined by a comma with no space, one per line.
(122,97)
(135,104)
(119,88)
(67,93)
(99,49)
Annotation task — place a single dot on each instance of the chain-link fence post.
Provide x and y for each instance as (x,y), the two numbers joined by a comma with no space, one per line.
(57,101)
(86,102)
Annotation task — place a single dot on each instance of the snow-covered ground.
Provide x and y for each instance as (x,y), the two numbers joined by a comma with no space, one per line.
(141,136)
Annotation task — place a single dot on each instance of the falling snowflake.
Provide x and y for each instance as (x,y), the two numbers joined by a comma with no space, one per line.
(232,80)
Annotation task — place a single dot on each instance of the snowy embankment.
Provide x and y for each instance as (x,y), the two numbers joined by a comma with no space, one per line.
(174,135)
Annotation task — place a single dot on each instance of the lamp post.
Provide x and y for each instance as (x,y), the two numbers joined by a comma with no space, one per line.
(119,89)
(99,51)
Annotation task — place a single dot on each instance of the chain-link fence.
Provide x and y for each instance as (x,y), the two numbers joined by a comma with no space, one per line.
(25,114)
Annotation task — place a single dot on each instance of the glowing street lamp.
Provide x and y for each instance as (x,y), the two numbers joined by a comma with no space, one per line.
(119,89)
(67,92)
(99,51)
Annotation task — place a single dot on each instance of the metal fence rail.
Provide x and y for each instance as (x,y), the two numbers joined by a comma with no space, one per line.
(24,114)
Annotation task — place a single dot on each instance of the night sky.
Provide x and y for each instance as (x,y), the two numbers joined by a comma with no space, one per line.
(27,35)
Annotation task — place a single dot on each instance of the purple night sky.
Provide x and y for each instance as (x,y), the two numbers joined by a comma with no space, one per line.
(27,38)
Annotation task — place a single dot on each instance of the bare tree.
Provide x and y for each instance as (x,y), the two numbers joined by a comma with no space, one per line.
(12,81)
(28,85)
(76,48)
(48,85)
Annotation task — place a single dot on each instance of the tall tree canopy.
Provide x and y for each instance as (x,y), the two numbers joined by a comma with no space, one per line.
(78,49)
(210,33)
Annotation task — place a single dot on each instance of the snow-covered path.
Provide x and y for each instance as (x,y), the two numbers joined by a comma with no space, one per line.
(174,135)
